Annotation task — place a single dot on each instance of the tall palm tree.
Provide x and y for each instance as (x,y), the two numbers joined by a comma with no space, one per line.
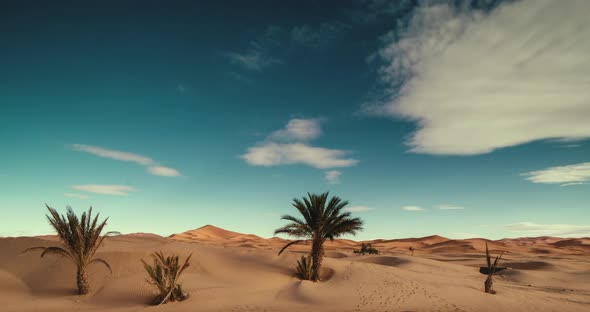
(323,220)
(81,239)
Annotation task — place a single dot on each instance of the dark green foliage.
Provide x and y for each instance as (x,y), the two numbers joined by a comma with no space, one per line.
(304,268)
(321,219)
(488,284)
(164,274)
(367,249)
(81,239)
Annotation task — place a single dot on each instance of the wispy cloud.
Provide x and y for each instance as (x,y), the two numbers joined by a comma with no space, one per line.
(333,176)
(105,189)
(298,130)
(358,209)
(531,85)
(412,208)
(564,175)
(572,184)
(272,152)
(529,228)
(449,207)
(152,166)
(81,196)
(113,154)
(259,53)
(163,171)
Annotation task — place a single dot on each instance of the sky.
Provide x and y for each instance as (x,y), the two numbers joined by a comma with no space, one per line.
(461,119)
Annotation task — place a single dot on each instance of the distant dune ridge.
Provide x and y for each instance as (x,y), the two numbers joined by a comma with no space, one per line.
(232,271)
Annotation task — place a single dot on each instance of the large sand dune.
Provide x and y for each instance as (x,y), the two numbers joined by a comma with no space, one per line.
(239,272)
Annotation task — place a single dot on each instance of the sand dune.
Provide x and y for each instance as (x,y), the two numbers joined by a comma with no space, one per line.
(239,272)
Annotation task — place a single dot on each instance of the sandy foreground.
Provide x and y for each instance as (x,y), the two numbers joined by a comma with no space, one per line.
(239,272)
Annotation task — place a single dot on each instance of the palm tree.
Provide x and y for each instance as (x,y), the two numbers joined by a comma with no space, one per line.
(323,220)
(81,239)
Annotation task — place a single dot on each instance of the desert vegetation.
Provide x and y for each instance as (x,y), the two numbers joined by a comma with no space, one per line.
(411,250)
(491,270)
(366,249)
(164,274)
(321,219)
(81,238)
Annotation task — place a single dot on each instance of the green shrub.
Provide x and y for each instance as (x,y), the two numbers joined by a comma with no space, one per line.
(164,274)
(305,268)
(367,249)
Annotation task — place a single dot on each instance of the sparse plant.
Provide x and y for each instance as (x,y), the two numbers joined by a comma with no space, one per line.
(81,239)
(304,268)
(411,249)
(323,220)
(367,249)
(488,284)
(164,274)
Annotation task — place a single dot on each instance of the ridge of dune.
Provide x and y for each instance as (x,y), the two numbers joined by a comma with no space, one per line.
(211,232)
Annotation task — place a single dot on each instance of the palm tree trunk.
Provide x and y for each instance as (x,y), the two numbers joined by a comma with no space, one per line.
(488,285)
(317,255)
(82,279)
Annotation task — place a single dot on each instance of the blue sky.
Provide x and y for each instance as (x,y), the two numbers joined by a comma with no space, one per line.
(464,119)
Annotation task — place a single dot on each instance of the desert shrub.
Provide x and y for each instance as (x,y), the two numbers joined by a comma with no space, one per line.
(164,274)
(305,268)
(492,266)
(367,249)
(411,249)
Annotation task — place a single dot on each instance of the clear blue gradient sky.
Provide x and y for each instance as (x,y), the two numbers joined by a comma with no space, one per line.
(464,119)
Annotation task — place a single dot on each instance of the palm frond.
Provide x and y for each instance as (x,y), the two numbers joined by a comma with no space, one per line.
(289,245)
(98,260)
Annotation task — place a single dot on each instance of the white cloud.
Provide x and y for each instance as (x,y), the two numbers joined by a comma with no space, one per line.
(112,154)
(298,130)
(152,166)
(449,207)
(163,171)
(105,189)
(81,196)
(274,152)
(564,175)
(475,83)
(412,208)
(529,228)
(571,184)
(333,176)
(358,209)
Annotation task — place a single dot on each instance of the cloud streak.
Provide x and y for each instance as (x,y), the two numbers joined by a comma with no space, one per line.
(449,207)
(412,208)
(151,165)
(530,228)
(478,82)
(564,175)
(105,189)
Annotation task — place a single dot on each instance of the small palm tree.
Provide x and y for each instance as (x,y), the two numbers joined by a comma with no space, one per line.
(164,274)
(323,220)
(81,239)
(491,270)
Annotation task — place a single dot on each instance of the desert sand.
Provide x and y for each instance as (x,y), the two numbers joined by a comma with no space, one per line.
(239,272)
